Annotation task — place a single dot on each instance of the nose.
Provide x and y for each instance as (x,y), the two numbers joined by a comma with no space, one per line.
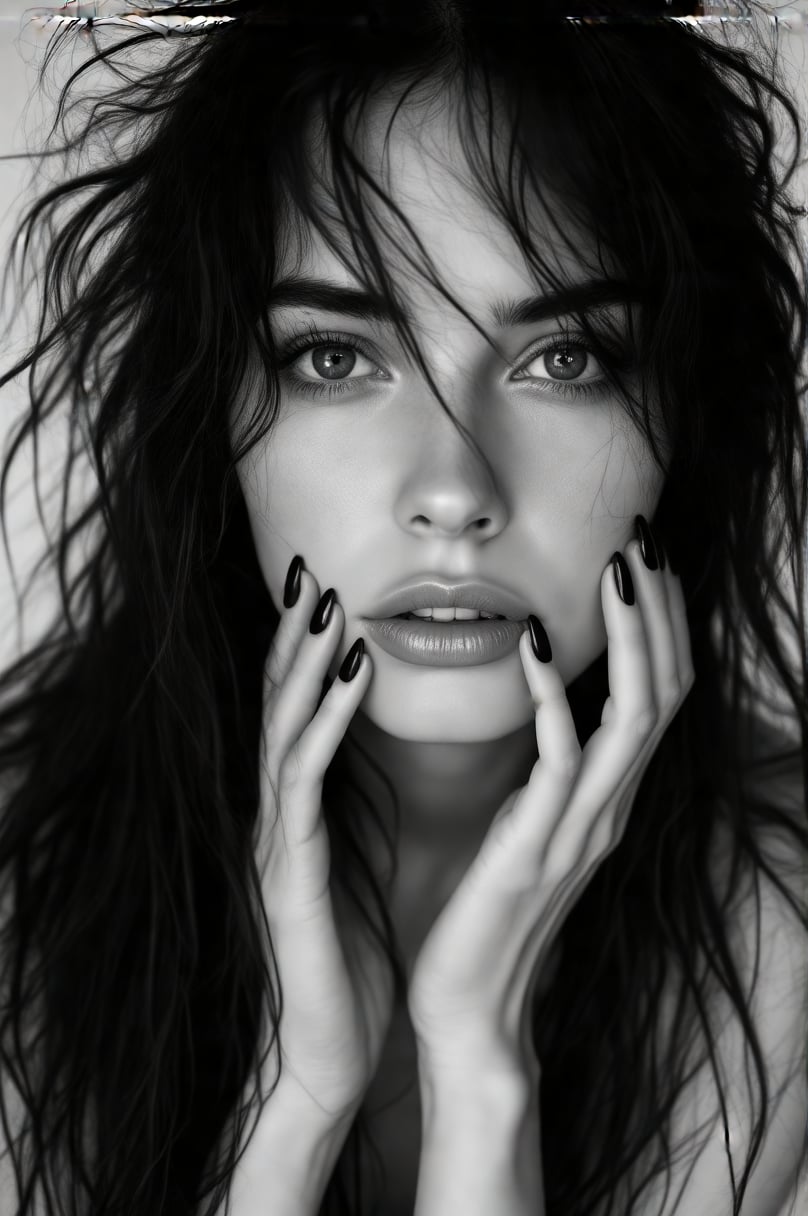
(451,490)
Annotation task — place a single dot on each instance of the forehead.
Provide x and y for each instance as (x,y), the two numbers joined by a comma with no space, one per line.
(416,157)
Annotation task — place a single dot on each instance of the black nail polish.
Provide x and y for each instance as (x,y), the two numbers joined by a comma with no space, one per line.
(539,639)
(648,546)
(350,664)
(322,613)
(291,588)
(622,577)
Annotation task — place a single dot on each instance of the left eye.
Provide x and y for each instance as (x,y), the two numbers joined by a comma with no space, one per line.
(336,361)
(563,361)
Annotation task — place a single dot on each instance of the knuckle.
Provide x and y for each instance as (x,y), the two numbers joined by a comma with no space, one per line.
(272,686)
(500,837)
(271,734)
(559,862)
(644,722)
(271,758)
(290,769)
(268,786)
(567,764)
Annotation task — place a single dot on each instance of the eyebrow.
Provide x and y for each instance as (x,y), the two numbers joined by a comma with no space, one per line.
(588,295)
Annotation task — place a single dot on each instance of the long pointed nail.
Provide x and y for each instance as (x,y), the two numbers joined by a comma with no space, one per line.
(539,640)
(623,579)
(350,664)
(648,545)
(322,613)
(291,589)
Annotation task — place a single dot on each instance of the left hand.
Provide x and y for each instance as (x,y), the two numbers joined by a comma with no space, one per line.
(471,989)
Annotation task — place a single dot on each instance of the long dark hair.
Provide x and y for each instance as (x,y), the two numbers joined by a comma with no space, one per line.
(134,950)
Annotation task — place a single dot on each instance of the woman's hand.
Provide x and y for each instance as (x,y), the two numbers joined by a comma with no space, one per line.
(471,989)
(337,990)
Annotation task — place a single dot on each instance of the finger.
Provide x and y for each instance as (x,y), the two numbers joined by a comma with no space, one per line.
(293,704)
(618,745)
(556,736)
(296,796)
(652,596)
(521,835)
(293,626)
(631,684)
(305,767)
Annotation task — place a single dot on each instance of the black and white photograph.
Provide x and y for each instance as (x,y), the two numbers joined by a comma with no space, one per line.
(404,608)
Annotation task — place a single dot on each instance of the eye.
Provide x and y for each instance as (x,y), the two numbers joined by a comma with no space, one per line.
(564,359)
(329,362)
(336,361)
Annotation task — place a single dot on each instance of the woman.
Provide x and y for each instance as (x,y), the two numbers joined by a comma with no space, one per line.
(458,310)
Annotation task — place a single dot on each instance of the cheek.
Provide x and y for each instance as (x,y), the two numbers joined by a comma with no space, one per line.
(274,499)
(581,493)
(589,478)
(299,495)
(560,488)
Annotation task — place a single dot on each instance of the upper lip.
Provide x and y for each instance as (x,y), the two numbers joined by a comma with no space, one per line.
(430,591)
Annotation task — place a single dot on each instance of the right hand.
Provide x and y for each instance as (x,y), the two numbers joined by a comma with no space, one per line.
(337,987)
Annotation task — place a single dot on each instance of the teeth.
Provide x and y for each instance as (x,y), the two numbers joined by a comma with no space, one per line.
(469,614)
(452,614)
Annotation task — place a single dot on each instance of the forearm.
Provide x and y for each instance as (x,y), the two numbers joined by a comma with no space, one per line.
(480,1151)
(286,1166)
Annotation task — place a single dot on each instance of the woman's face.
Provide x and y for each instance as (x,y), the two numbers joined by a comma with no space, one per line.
(374,486)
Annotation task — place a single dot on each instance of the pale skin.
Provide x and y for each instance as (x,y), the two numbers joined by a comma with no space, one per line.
(388,488)
(504,818)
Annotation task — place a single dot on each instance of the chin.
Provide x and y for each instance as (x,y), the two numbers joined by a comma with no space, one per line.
(448,704)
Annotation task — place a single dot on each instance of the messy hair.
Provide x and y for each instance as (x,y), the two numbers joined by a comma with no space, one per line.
(136,956)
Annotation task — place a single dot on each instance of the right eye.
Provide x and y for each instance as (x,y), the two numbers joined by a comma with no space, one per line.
(331,359)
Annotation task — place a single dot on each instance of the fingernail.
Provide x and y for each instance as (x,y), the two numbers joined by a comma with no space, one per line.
(322,613)
(539,640)
(350,664)
(648,545)
(622,577)
(291,588)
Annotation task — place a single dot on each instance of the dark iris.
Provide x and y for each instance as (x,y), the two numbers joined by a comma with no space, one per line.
(333,359)
(566,362)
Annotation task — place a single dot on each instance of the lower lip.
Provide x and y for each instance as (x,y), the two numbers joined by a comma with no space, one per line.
(461,644)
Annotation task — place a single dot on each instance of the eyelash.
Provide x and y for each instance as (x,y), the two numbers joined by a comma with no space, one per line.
(314,338)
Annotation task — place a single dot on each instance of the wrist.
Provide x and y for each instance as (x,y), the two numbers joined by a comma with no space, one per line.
(480,1150)
(485,1073)
(288,1162)
(507,1094)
